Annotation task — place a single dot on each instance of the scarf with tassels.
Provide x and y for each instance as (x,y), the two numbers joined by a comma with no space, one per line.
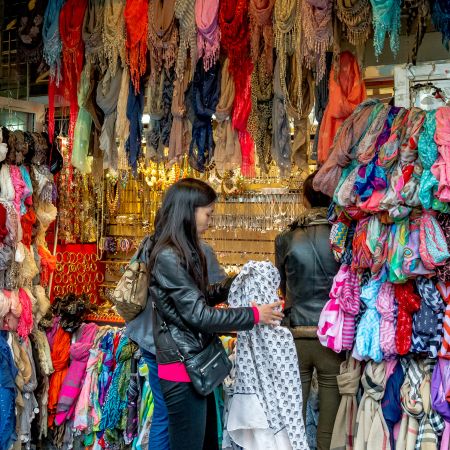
(206,92)
(344,425)
(261,28)
(386,19)
(317,36)
(441,20)
(185,13)
(92,32)
(136,26)
(227,154)
(235,41)
(114,34)
(162,35)
(52,39)
(416,24)
(355,16)
(208,32)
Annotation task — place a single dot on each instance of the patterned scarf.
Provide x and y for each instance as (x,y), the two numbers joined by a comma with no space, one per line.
(441,20)
(206,92)
(261,27)
(208,32)
(433,245)
(440,167)
(185,13)
(440,386)
(29,32)
(356,16)
(52,39)
(386,19)
(162,35)
(234,26)
(136,26)
(443,272)
(317,34)
(345,423)
(92,32)
(386,308)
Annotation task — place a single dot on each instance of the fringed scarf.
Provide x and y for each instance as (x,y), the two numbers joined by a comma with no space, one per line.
(416,24)
(185,13)
(227,154)
(136,26)
(386,19)
(208,32)
(92,32)
(355,16)
(234,26)
(162,35)
(206,92)
(441,20)
(52,39)
(114,34)
(317,34)
(261,29)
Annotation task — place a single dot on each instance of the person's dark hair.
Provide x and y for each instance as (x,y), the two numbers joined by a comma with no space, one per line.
(315,198)
(175,225)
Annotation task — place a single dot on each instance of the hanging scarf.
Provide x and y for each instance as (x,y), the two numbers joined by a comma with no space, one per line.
(52,39)
(162,35)
(260,120)
(371,429)
(185,13)
(345,422)
(29,32)
(444,351)
(135,109)
(347,91)
(355,15)
(122,122)
(443,271)
(136,26)
(398,240)
(114,35)
(208,33)
(235,41)
(362,256)
(408,304)
(92,32)
(441,20)
(386,19)
(425,322)
(440,167)
(261,30)
(433,246)
(440,385)
(206,92)
(317,34)
(227,154)
(416,24)
(386,308)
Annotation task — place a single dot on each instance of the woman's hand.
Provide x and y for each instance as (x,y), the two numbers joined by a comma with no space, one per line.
(268,314)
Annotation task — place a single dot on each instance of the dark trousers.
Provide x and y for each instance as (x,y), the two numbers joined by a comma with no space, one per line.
(312,354)
(192,417)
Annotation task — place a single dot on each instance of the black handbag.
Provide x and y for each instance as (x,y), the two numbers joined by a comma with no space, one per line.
(207,369)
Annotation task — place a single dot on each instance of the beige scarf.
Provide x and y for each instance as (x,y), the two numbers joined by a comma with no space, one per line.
(185,13)
(356,17)
(122,122)
(227,154)
(114,34)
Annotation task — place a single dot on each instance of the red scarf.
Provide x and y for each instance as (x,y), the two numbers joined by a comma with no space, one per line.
(235,41)
(136,26)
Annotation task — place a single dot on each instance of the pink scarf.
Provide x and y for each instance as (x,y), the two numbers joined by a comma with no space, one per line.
(71,387)
(19,186)
(386,308)
(208,32)
(26,317)
(441,168)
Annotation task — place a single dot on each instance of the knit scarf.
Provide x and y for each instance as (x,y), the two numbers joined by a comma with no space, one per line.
(371,429)
(386,308)
(261,28)
(441,20)
(355,15)
(114,34)
(317,28)
(206,92)
(92,32)
(208,32)
(347,91)
(135,109)
(52,39)
(185,13)
(162,35)
(136,26)
(386,19)
(345,422)
(227,154)
(260,120)
(440,167)
(235,41)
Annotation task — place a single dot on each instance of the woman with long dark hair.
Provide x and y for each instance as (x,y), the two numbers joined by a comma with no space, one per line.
(185,302)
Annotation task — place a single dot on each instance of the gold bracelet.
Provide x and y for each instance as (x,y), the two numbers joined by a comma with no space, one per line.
(99,278)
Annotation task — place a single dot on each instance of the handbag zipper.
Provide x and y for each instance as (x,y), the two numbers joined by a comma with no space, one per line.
(203,369)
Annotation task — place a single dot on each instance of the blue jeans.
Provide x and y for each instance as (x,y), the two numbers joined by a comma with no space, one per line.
(159,431)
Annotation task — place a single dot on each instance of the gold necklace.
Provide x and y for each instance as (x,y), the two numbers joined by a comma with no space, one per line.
(112,197)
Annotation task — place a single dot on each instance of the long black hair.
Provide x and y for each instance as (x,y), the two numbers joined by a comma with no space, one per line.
(175,225)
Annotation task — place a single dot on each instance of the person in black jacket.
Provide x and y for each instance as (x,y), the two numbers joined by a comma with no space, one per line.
(185,301)
(307,268)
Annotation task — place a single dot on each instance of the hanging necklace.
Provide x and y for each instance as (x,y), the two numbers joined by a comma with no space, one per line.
(112,196)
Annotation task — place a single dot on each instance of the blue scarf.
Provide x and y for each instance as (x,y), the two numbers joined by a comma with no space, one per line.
(386,19)
(135,109)
(441,20)
(52,38)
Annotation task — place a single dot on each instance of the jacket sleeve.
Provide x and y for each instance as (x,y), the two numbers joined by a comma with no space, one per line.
(190,302)
(218,292)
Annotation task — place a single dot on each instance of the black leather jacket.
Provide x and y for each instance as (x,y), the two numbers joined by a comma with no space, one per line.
(186,318)
(307,268)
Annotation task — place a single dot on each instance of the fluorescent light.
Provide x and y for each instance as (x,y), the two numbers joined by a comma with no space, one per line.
(145,119)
